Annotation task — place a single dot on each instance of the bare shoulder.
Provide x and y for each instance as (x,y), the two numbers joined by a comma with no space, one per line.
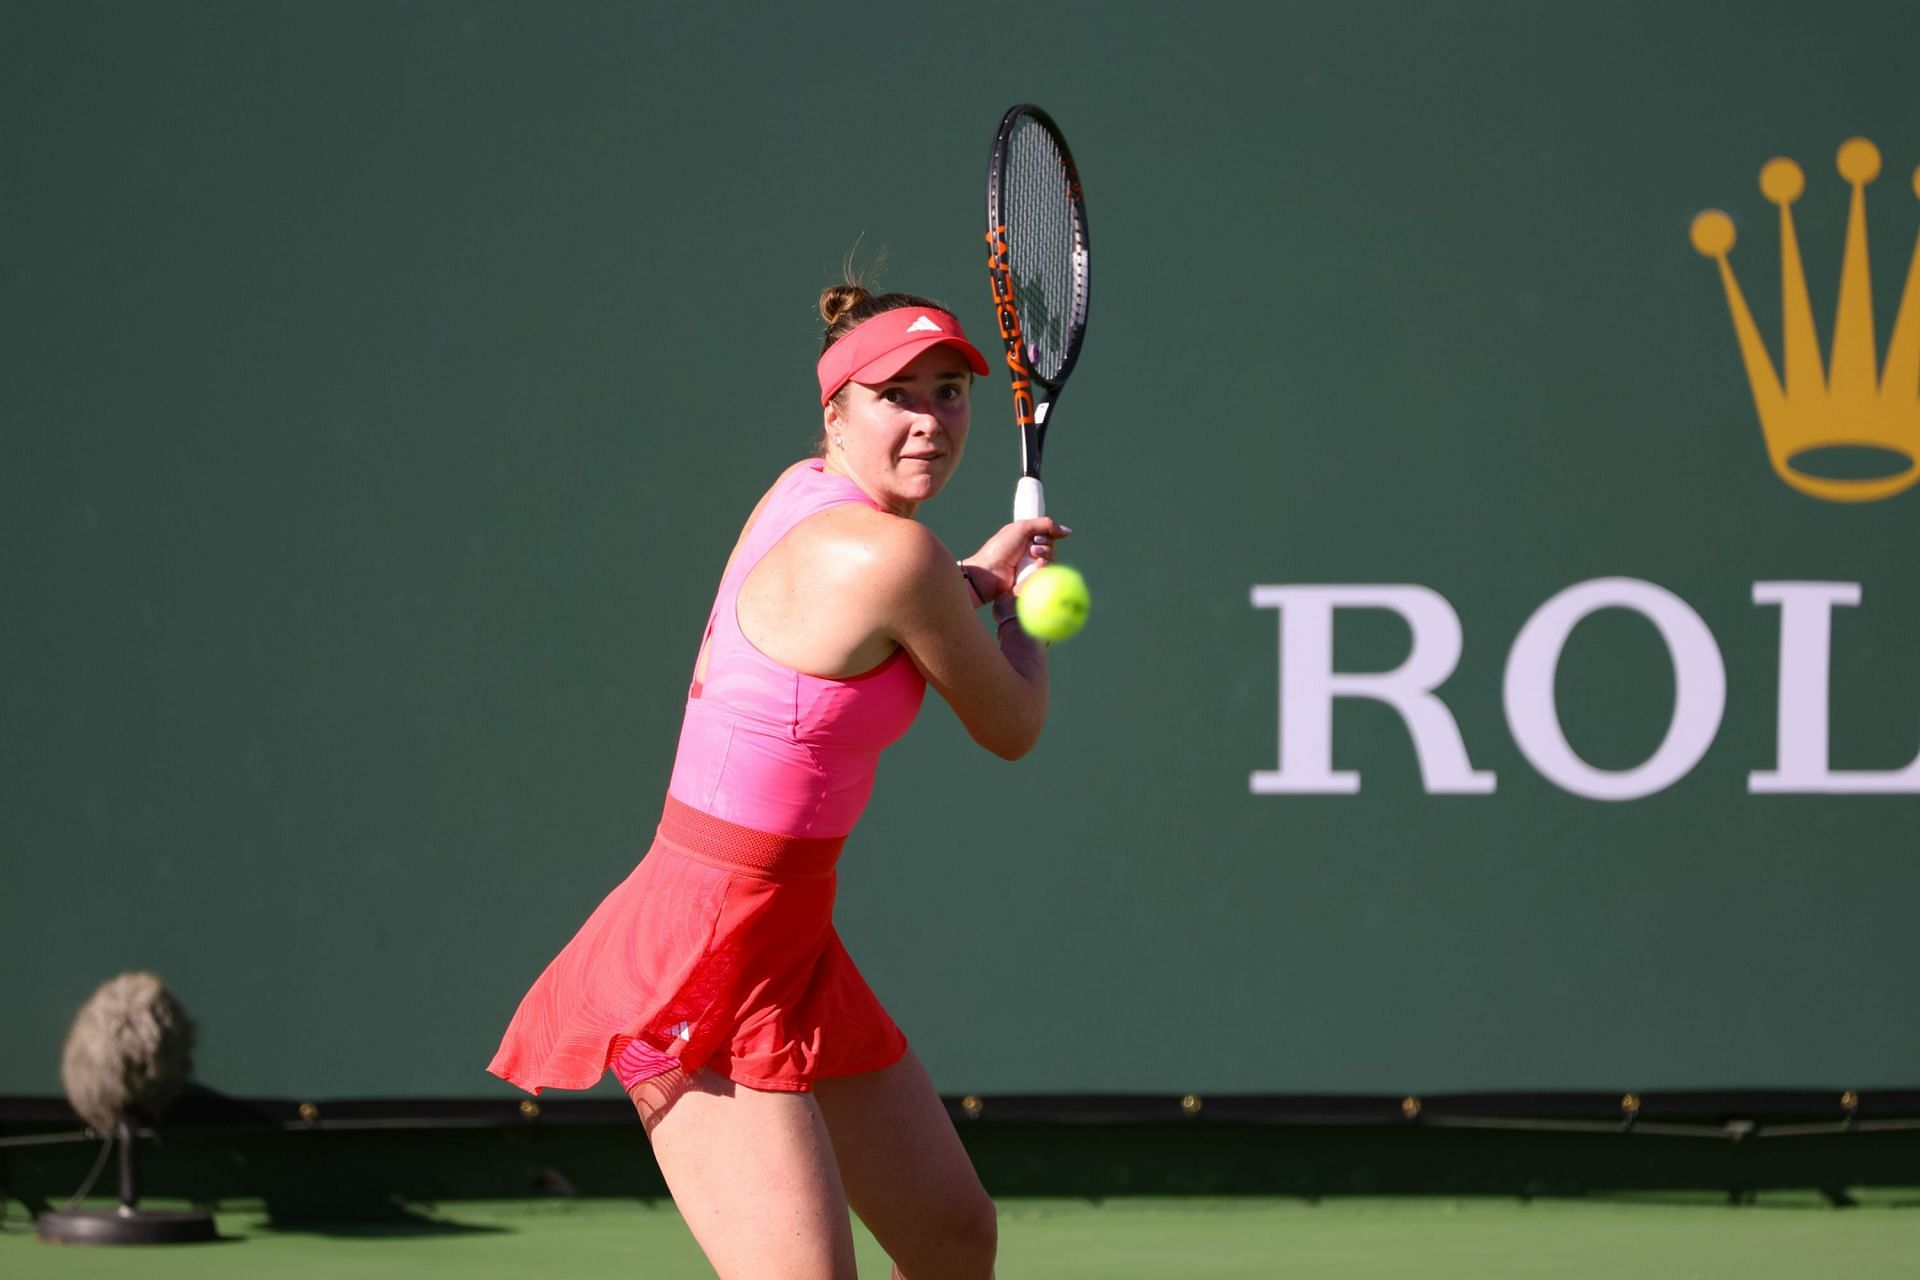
(886,550)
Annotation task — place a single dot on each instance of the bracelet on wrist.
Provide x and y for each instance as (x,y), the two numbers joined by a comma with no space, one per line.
(973,588)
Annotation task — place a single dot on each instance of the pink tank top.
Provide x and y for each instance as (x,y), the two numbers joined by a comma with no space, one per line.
(772,748)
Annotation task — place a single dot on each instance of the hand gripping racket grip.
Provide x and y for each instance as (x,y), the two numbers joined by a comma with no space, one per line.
(1029,502)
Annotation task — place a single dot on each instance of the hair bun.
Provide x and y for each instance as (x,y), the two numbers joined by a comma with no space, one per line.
(836,300)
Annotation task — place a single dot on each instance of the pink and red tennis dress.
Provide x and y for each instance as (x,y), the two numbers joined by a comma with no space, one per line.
(719,950)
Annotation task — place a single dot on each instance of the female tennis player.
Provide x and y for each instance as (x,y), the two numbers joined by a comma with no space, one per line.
(776,1090)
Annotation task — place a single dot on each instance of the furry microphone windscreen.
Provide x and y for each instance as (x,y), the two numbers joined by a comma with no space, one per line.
(130,1050)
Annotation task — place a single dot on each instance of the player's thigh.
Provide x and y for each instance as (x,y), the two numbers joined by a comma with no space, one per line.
(753,1174)
(906,1173)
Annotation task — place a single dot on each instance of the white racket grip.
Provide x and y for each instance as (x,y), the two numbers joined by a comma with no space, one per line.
(1029,502)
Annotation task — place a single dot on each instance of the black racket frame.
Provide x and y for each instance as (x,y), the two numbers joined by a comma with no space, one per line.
(1032,416)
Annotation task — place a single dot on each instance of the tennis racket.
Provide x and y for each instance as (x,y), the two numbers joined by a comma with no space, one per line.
(1037,265)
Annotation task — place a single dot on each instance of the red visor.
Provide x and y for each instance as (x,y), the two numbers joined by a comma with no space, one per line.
(874,350)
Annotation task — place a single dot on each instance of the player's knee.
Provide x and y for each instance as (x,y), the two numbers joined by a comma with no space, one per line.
(973,1234)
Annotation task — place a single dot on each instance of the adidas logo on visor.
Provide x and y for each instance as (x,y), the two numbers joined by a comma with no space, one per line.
(924,324)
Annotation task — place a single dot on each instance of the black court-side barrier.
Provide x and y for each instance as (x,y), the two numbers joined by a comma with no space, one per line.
(358,1159)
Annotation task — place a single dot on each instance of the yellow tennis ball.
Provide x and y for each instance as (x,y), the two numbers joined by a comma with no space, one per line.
(1053,603)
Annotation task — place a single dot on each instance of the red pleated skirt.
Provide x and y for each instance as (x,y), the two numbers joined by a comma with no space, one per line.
(718,951)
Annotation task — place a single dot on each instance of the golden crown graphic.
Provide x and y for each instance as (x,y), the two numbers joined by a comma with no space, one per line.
(1843,404)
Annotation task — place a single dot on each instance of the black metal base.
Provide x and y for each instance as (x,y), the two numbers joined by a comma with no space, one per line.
(127,1226)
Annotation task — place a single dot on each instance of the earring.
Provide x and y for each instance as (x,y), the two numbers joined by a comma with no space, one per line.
(840,442)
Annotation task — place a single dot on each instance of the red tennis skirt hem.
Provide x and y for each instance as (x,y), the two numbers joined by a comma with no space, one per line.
(719,951)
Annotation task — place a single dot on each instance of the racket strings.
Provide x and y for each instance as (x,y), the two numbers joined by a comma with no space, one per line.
(1041,247)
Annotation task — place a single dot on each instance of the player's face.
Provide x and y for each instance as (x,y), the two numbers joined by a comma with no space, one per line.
(901,439)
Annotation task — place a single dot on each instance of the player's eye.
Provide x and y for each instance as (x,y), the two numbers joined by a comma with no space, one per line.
(894,395)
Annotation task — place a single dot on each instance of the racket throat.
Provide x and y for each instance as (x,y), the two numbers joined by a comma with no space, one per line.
(1032,438)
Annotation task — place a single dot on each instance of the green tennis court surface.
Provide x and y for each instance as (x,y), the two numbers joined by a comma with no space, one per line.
(1667,1238)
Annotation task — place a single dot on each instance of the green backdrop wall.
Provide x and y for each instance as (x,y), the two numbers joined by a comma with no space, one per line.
(382,386)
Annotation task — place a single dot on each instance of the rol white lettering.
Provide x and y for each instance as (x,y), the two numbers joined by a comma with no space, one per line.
(1806,663)
(1309,684)
(1700,689)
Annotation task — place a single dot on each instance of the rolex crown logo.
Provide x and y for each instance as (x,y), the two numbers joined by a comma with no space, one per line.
(1843,407)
